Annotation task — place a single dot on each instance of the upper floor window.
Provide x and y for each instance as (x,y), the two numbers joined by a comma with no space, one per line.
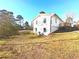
(44,20)
(55,20)
(36,22)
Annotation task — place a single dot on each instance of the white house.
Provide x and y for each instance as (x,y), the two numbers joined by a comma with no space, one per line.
(46,23)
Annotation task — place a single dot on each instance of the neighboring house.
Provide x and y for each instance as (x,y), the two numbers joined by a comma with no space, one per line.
(46,23)
(77,25)
(69,22)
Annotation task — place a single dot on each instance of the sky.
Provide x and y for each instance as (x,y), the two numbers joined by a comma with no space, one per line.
(29,9)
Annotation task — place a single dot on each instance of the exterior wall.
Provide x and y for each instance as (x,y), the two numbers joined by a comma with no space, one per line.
(47,25)
(51,25)
(55,23)
(41,25)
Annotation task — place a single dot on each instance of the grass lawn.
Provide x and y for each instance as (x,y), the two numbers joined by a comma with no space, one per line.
(30,46)
(2,42)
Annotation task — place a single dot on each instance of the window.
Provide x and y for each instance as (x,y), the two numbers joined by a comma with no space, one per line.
(36,22)
(35,29)
(44,29)
(44,20)
(55,20)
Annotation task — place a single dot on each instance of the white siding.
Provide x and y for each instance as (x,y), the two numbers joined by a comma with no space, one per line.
(54,24)
(50,27)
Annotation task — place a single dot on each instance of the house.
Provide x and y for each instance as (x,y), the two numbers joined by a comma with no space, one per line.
(45,24)
(69,22)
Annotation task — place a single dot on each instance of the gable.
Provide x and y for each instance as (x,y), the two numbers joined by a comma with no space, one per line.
(47,16)
(56,16)
(34,20)
(40,18)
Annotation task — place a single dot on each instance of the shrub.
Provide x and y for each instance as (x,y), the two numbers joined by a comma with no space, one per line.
(7,25)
